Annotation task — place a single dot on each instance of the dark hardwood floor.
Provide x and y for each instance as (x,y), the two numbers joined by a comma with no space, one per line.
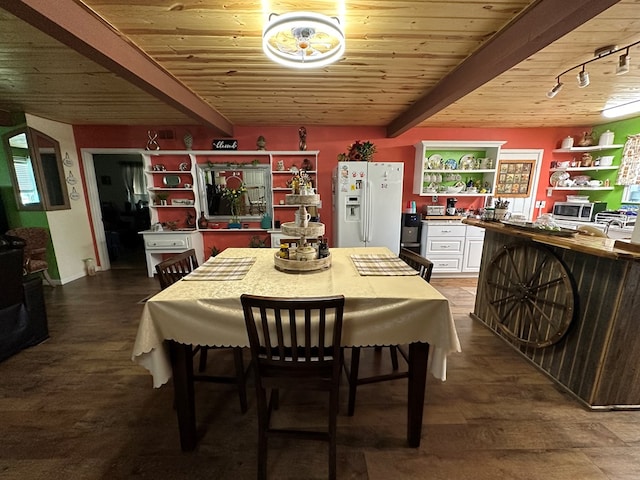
(77,407)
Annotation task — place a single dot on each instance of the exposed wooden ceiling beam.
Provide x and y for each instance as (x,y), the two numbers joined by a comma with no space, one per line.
(5,119)
(77,27)
(539,25)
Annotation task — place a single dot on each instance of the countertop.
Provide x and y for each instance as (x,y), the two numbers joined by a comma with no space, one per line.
(601,247)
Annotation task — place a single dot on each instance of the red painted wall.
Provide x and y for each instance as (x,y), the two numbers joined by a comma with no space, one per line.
(331,141)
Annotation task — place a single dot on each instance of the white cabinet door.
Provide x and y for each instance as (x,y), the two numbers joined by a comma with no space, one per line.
(472,254)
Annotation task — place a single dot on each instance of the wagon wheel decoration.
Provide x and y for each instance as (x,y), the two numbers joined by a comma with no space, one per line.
(530,293)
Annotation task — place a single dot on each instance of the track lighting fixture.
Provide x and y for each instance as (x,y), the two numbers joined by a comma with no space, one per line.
(623,63)
(622,67)
(556,88)
(583,78)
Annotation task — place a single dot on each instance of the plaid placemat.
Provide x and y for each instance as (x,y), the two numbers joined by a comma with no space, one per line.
(222,269)
(372,264)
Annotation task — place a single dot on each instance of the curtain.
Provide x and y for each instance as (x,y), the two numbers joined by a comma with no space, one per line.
(629,172)
(134,181)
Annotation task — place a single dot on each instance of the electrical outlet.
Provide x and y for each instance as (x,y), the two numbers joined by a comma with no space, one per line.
(543,204)
(434,199)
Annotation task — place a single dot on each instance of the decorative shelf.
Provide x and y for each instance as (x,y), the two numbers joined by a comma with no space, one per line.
(461,194)
(172,206)
(232,229)
(583,169)
(593,148)
(585,189)
(458,170)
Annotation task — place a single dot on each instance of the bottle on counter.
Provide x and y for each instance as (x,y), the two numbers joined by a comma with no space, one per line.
(323,249)
(202,221)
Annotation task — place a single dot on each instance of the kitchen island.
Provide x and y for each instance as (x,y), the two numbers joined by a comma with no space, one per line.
(569,304)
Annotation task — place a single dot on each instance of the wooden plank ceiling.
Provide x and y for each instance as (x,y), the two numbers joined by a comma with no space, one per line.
(459,63)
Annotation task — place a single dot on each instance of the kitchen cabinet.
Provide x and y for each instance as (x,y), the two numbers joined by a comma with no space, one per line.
(473,243)
(445,167)
(159,244)
(454,248)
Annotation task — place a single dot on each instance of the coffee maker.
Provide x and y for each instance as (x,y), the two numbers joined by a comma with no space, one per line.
(451,206)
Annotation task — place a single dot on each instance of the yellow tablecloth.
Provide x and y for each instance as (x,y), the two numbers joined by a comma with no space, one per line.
(379,310)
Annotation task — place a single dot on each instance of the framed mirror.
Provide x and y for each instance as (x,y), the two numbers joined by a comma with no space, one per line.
(214,178)
(36,169)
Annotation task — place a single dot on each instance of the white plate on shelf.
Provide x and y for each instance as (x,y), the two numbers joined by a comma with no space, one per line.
(467,162)
(434,161)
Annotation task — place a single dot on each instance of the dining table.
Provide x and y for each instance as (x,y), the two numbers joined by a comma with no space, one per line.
(385,304)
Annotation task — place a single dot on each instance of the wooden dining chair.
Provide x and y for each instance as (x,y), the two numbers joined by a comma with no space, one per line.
(170,271)
(424,267)
(295,343)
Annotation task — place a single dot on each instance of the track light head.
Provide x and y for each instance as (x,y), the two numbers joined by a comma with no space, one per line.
(623,64)
(583,78)
(556,89)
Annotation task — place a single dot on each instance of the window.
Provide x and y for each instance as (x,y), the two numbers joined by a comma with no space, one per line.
(37,171)
(631,194)
(26,180)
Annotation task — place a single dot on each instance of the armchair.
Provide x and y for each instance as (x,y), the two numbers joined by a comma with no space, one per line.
(35,250)
(23,317)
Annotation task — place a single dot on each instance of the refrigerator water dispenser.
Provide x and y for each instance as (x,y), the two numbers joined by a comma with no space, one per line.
(353,209)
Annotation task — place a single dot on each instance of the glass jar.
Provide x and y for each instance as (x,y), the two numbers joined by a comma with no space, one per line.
(90,266)
(284,250)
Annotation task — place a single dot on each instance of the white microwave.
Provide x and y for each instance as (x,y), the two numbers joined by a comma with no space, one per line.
(578,212)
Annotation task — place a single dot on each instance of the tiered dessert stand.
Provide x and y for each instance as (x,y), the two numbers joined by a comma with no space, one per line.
(312,230)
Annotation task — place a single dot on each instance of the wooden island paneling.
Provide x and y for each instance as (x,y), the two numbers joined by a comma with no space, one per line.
(598,358)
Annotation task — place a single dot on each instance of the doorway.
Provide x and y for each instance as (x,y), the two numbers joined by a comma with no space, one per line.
(118,202)
(523,205)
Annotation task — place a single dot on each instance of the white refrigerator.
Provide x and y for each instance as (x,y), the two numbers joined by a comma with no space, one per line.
(367,204)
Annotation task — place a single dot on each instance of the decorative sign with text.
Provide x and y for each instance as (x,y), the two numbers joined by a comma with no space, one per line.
(225,144)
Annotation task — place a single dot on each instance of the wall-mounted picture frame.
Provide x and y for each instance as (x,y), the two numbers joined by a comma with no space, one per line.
(514,178)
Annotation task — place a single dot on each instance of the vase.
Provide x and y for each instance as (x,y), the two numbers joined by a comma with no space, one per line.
(203,223)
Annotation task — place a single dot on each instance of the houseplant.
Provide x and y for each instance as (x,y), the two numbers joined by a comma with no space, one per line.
(161,198)
(234,197)
(361,151)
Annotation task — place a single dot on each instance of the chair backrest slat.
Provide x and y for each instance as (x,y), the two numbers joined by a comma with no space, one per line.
(422,265)
(320,318)
(178,266)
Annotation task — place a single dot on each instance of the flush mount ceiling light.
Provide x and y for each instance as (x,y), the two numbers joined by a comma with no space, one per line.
(622,67)
(303,39)
(621,110)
